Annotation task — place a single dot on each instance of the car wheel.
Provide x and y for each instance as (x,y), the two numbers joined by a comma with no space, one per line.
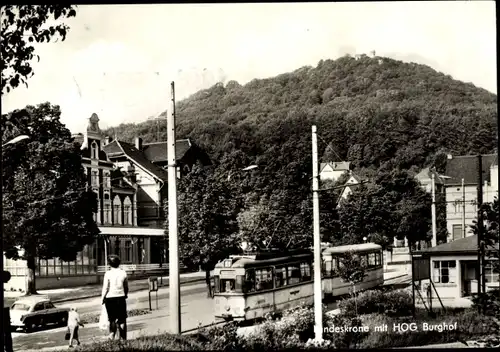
(31,325)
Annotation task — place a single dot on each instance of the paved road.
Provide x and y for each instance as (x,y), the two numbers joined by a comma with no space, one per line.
(196,309)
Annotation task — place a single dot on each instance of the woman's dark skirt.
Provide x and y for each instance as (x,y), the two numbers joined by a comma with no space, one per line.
(117,309)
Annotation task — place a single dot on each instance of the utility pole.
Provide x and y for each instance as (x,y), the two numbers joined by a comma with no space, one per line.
(479,224)
(318,302)
(433,209)
(463,208)
(175,298)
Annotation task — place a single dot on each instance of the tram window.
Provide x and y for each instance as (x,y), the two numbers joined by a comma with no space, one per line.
(227,285)
(293,274)
(216,283)
(305,271)
(378,259)
(263,279)
(327,267)
(249,285)
(239,283)
(371,260)
(364,260)
(280,276)
(335,265)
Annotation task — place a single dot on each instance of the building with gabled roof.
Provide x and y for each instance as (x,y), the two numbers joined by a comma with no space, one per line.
(150,162)
(453,265)
(461,201)
(129,181)
(333,170)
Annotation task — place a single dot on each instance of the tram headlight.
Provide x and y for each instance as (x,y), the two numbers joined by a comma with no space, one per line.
(228,308)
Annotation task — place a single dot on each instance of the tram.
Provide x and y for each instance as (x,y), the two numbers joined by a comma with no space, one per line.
(249,286)
(371,256)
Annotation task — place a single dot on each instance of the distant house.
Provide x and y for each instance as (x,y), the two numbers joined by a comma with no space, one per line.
(461,207)
(425,179)
(347,187)
(333,170)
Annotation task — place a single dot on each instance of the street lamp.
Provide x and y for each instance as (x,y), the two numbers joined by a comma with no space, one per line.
(16,139)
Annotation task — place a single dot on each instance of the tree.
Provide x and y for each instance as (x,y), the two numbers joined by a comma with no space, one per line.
(48,212)
(352,270)
(490,231)
(22,26)
(207,219)
(392,206)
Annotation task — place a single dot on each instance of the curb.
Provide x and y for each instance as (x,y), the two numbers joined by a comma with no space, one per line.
(94,295)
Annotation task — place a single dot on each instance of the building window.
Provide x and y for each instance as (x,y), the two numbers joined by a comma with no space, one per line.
(489,273)
(94,151)
(445,271)
(457,232)
(95,214)
(107,213)
(127,212)
(117,211)
(107,179)
(128,251)
(95,178)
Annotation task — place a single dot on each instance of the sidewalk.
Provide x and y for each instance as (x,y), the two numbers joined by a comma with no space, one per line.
(194,312)
(90,291)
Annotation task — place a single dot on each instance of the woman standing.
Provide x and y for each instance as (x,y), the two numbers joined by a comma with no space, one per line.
(114,295)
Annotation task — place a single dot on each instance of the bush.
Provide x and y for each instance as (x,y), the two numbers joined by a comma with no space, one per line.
(344,339)
(470,325)
(220,338)
(398,302)
(488,303)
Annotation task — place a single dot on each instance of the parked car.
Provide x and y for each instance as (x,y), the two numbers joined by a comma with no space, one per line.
(28,313)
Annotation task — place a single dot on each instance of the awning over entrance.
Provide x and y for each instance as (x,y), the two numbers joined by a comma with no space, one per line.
(131,231)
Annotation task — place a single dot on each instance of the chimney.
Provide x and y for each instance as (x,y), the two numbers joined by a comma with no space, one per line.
(449,156)
(138,143)
(106,140)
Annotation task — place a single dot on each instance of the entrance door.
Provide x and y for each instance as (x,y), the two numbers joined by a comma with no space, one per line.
(468,277)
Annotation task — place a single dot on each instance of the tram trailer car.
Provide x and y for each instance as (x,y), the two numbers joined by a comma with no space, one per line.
(250,286)
(371,255)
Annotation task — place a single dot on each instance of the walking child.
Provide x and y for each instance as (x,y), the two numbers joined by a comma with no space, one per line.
(73,324)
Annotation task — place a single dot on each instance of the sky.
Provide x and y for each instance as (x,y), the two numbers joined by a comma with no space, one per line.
(118,60)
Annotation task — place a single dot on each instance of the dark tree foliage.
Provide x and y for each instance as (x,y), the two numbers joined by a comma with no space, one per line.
(22,26)
(490,236)
(393,206)
(47,211)
(382,115)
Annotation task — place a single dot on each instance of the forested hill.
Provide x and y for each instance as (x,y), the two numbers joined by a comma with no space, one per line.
(375,112)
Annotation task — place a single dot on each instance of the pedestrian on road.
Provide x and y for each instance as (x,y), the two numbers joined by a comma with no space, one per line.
(114,295)
(74,323)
